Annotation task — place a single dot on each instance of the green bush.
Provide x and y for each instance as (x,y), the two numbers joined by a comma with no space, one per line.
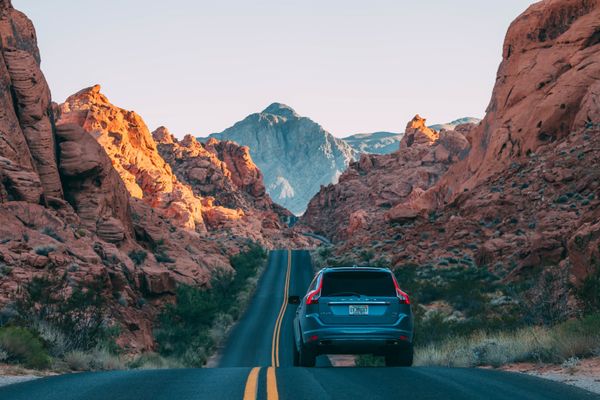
(138,256)
(23,346)
(184,329)
(466,289)
(44,250)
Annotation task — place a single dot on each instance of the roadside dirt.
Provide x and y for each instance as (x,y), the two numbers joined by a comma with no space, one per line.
(583,373)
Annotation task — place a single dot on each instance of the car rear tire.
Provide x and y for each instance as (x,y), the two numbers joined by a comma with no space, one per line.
(400,358)
(307,357)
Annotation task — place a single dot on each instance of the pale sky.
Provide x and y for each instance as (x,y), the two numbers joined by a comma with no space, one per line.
(353,66)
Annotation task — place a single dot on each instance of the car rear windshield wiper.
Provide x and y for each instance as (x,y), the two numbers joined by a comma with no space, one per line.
(344,294)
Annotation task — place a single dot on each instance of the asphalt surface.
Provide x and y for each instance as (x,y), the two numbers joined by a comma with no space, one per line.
(256,363)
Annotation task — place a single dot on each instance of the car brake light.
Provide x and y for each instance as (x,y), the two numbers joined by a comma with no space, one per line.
(313,295)
(403,297)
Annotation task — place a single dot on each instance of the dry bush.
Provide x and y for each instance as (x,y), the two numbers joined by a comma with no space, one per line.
(576,338)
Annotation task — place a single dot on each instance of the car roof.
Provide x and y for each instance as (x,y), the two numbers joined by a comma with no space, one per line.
(355,268)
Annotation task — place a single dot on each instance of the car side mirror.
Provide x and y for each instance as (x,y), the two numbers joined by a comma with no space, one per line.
(294,300)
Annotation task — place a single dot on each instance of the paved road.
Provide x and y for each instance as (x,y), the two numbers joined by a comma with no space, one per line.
(256,364)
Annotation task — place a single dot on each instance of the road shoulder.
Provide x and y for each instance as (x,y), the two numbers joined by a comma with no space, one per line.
(584,373)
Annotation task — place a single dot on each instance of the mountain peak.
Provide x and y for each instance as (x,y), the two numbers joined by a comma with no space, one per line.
(281,110)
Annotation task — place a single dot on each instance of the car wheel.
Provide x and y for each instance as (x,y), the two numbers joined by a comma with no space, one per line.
(400,358)
(307,357)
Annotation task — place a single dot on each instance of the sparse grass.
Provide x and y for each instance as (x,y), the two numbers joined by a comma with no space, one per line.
(154,361)
(576,338)
(96,360)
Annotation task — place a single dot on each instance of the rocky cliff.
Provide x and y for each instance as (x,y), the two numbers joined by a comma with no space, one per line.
(519,192)
(86,198)
(295,154)
(369,188)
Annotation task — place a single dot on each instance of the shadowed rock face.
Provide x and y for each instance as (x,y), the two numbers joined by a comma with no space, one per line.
(92,186)
(295,154)
(524,197)
(26,135)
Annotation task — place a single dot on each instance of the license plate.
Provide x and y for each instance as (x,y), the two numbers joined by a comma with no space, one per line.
(358,310)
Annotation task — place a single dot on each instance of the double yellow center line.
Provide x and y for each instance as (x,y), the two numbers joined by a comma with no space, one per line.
(251,389)
(252,384)
(278,322)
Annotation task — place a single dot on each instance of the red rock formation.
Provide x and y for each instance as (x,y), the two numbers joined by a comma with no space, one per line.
(25,119)
(547,86)
(120,198)
(525,197)
(128,142)
(92,186)
(221,170)
(375,188)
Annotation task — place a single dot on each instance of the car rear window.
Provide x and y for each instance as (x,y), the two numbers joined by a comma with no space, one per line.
(366,283)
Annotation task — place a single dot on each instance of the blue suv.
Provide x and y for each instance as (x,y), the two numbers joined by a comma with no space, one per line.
(353,310)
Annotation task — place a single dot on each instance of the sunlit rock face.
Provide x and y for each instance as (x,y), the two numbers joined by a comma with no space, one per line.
(128,142)
(295,154)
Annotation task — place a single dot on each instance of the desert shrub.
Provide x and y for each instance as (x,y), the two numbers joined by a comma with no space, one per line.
(95,360)
(138,256)
(367,255)
(52,233)
(44,250)
(189,329)
(544,296)
(68,322)
(78,360)
(163,258)
(160,252)
(154,361)
(22,346)
(466,289)
(325,252)
(589,291)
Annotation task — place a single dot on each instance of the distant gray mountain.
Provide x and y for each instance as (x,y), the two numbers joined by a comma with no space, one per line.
(451,125)
(295,154)
(375,143)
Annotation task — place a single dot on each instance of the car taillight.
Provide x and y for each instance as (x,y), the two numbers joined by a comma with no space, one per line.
(314,295)
(403,297)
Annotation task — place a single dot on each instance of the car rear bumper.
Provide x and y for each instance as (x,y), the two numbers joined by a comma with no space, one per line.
(327,339)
